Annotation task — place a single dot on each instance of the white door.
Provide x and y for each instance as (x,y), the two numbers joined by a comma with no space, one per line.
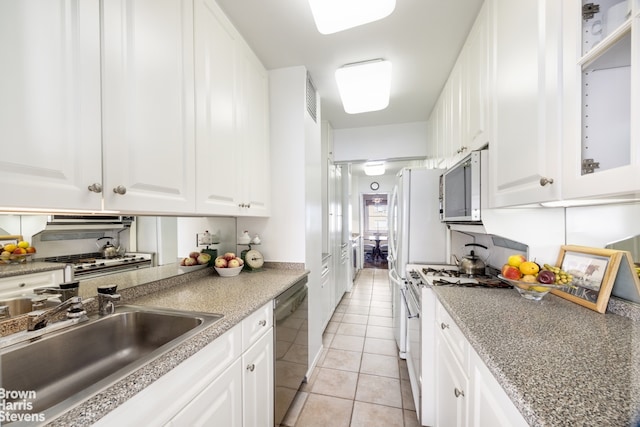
(50,104)
(218,404)
(257,383)
(148,106)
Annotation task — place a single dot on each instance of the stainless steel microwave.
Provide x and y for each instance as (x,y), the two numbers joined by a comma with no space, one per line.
(460,189)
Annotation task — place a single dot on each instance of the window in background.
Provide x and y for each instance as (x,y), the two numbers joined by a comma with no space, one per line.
(375,214)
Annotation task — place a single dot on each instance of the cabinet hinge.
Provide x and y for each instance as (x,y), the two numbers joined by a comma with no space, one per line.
(589,166)
(589,9)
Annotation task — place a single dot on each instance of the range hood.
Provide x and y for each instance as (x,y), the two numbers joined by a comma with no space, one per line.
(87,222)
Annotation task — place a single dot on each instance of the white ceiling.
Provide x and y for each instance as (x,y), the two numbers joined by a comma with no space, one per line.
(421,38)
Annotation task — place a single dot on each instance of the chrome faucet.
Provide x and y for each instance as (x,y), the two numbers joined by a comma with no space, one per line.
(75,310)
(107,297)
(65,290)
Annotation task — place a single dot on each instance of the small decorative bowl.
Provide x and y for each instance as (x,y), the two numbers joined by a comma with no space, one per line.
(531,290)
(16,259)
(228,271)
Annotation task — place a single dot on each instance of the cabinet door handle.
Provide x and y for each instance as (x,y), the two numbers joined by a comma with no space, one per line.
(544,181)
(95,187)
(443,325)
(251,367)
(458,392)
(120,189)
(262,323)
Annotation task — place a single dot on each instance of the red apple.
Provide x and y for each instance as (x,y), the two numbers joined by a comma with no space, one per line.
(220,262)
(194,255)
(240,261)
(203,258)
(229,256)
(31,250)
(233,263)
(19,251)
(511,272)
(189,261)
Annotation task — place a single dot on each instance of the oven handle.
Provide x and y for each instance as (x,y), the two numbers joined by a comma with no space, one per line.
(406,303)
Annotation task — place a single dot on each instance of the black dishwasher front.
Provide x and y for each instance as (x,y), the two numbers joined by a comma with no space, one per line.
(290,314)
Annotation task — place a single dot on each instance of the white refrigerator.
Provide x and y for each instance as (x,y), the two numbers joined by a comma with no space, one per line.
(416,235)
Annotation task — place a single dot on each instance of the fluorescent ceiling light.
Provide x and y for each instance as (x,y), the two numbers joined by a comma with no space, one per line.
(364,86)
(332,16)
(374,168)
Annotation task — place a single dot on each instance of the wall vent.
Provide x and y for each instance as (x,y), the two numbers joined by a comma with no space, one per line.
(311,99)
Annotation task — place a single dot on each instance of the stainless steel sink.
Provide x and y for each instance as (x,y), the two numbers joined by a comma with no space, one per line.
(67,366)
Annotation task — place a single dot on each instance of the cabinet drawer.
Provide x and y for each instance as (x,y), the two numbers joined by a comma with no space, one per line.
(453,336)
(17,285)
(256,325)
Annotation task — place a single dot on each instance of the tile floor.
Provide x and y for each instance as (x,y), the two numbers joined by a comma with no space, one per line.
(359,379)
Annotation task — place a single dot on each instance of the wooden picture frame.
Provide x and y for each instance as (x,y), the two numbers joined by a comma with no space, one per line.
(594,271)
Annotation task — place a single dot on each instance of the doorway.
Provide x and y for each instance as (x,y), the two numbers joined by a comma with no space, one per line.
(375,230)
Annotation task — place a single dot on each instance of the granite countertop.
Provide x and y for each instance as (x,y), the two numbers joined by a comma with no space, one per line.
(10,270)
(201,290)
(562,364)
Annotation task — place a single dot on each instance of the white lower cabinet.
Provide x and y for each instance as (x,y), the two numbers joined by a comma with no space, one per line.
(467,394)
(227,383)
(220,403)
(257,383)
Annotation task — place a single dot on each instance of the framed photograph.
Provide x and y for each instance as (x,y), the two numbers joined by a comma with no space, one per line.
(594,271)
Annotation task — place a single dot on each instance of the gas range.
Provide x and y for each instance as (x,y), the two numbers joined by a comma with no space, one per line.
(90,265)
(449,275)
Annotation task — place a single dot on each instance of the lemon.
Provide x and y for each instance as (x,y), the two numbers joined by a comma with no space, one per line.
(23,244)
(529,267)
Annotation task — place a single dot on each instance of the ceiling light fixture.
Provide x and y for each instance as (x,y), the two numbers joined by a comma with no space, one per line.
(364,86)
(332,16)
(374,168)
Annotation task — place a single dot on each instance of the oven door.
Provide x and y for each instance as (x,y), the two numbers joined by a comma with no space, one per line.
(414,343)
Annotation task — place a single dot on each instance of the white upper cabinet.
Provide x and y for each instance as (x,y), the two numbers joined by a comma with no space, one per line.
(232,131)
(526,83)
(50,104)
(601,95)
(459,121)
(148,106)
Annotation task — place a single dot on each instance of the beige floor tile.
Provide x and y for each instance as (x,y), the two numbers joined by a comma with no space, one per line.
(355,318)
(383,312)
(357,309)
(337,317)
(381,321)
(327,338)
(347,342)
(380,332)
(323,411)
(332,326)
(407,395)
(342,359)
(370,415)
(379,364)
(334,382)
(404,371)
(380,390)
(352,329)
(380,346)
(360,300)
(411,419)
(295,409)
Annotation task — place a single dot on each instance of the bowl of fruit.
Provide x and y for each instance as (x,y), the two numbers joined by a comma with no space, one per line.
(195,260)
(228,265)
(16,253)
(532,281)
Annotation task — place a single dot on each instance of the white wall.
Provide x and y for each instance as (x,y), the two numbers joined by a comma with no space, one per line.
(293,233)
(407,140)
